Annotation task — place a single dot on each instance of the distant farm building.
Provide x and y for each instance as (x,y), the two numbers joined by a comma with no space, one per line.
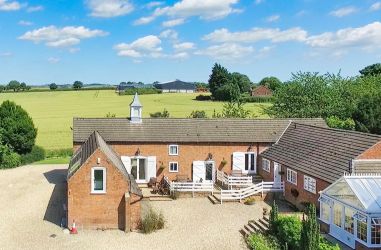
(176,86)
(262,91)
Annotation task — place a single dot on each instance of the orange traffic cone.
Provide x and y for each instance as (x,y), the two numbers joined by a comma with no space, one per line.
(73,229)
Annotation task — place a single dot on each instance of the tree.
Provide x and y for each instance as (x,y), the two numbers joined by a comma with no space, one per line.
(367,116)
(15,85)
(164,114)
(18,129)
(198,114)
(271,82)
(219,78)
(53,86)
(23,86)
(273,218)
(77,85)
(2,88)
(310,235)
(243,82)
(371,70)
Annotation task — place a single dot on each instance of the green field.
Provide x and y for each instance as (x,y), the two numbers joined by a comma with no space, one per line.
(53,112)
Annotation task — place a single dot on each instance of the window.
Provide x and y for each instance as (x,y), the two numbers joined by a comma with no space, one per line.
(310,184)
(337,214)
(349,223)
(325,211)
(266,165)
(98,180)
(173,150)
(362,230)
(376,231)
(292,176)
(173,167)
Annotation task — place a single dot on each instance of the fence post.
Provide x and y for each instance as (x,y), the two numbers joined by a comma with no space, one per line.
(193,189)
(262,189)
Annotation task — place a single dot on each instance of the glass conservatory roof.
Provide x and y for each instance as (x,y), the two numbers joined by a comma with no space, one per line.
(360,191)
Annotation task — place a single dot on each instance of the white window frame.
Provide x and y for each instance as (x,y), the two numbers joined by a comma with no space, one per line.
(104,180)
(177,167)
(290,172)
(173,145)
(268,165)
(308,183)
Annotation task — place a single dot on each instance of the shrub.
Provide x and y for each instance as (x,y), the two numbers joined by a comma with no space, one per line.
(203,97)
(325,245)
(37,154)
(164,114)
(257,99)
(310,236)
(141,91)
(259,241)
(152,221)
(198,114)
(273,219)
(288,231)
(8,158)
(57,153)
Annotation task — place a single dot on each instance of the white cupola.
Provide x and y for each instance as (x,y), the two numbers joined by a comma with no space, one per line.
(136,110)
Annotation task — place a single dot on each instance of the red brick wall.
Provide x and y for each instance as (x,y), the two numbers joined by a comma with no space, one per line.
(372,153)
(100,210)
(188,152)
(261,91)
(304,195)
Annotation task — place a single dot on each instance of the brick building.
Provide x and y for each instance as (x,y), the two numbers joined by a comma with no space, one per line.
(262,91)
(309,159)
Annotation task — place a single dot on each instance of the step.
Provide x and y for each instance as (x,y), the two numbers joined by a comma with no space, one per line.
(160,198)
(245,232)
(264,224)
(254,227)
(213,199)
(249,229)
(261,226)
(266,218)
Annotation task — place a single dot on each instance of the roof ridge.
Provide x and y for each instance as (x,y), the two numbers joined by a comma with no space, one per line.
(338,130)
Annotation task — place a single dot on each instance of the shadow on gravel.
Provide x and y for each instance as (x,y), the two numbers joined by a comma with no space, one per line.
(56,210)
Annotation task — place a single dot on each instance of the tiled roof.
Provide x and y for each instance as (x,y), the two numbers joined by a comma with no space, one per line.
(185,130)
(93,142)
(323,153)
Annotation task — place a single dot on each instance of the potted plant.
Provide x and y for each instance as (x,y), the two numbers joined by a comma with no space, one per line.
(265,211)
(161,166)
(281,172)
(223,162)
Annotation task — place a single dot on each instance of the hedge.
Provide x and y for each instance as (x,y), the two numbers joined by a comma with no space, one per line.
(203,97)
(259,99)
(141,91)
(37,154)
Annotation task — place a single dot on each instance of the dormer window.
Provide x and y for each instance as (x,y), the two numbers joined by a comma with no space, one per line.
(173,149)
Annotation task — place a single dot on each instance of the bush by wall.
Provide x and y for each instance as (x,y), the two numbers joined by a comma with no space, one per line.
(288,231)
(152,221)
(37,154)
(141,91)
(259,241)
(8,158)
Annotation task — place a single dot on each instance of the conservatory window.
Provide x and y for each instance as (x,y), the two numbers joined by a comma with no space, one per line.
(325,212)
(362,230)
(349,223)
(337,212)
(376,231)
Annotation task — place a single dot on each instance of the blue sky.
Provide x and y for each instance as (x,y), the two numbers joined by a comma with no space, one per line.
(43,41)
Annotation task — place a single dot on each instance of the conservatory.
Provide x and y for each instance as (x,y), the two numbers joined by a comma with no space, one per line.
(350,210)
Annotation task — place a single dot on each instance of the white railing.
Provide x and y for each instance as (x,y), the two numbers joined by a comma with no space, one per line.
(261,188)
(189,186)
(234,181)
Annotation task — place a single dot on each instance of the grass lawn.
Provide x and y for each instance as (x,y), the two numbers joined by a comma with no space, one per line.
(52,112)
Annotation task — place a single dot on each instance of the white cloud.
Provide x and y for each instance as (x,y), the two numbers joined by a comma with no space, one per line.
(368,36)
(180,55)
(25,23)
(144,20)
(109,8)
(205,9)
(226,51)
(148,46)
(35,8)
(61,37)
(54,60)
(153,4)
(183,46)
(257,34)
(173,22)
(345,11)
(376,6)
(259,1)
(272,18)
(6,5)
(170,34)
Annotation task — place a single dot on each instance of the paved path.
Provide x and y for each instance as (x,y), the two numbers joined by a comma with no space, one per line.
(30,212)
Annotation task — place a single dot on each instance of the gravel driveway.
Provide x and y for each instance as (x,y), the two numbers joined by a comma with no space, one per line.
(30,198)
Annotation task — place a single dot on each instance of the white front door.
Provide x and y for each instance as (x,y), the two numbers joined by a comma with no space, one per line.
(199,171)
(277,176)
(239,161)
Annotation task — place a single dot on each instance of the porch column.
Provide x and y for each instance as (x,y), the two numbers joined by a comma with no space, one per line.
(368,230)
